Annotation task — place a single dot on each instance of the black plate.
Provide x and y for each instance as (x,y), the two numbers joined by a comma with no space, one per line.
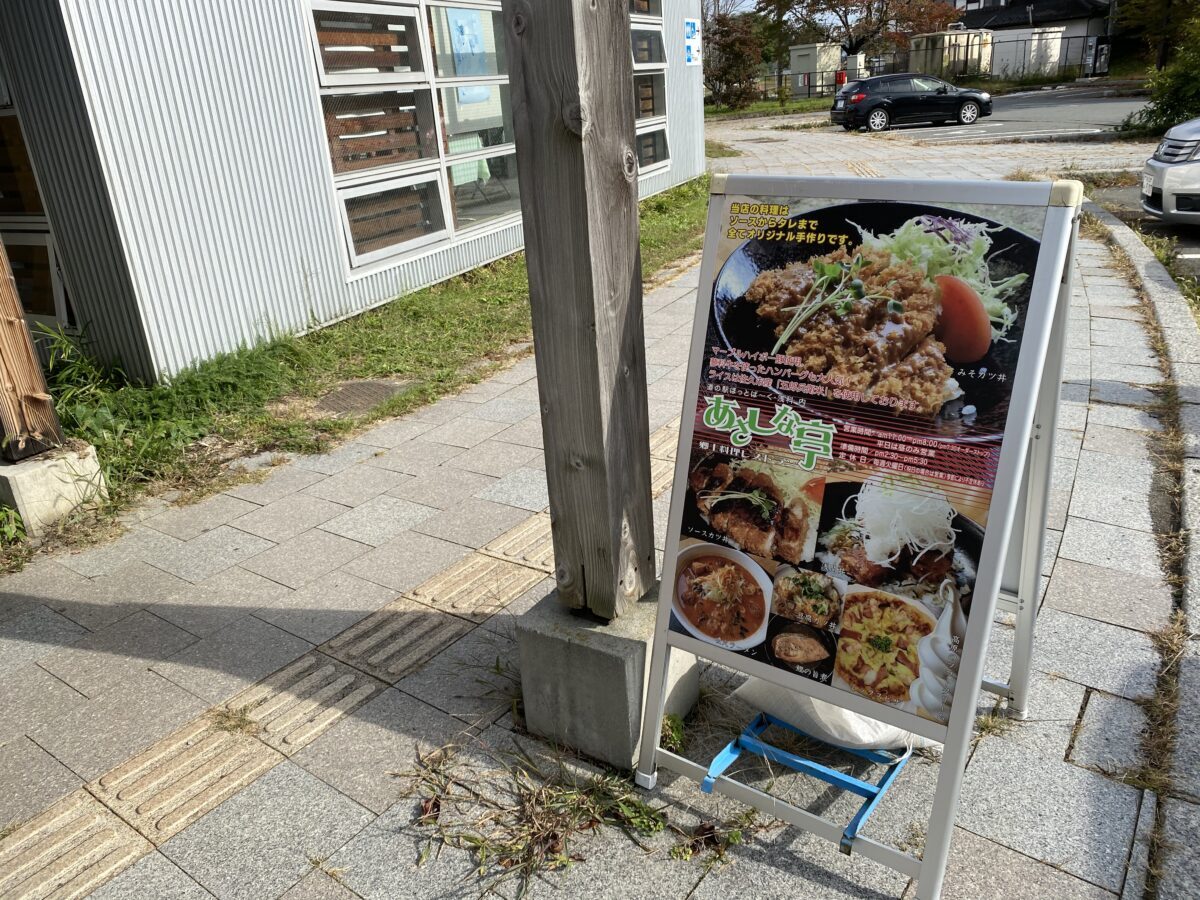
(736,325)
(844,494)
(822,671)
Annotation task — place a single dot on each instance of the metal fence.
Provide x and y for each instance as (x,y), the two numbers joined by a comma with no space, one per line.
(965,56)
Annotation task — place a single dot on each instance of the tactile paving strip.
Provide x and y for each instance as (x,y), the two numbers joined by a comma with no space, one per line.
(661,473)
(395,640)
(164,789)
(665,441)
(529,544)
(478,587)
(68,851)
(303,700)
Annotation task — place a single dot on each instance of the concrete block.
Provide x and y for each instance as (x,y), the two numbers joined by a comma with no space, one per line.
(584,683)
(50,487)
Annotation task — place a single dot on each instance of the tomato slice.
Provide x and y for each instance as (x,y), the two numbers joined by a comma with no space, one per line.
(964,326)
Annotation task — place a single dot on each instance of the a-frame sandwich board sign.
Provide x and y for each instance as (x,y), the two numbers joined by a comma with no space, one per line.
(870,402)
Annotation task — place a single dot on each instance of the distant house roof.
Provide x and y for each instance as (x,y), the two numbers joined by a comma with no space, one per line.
(1044,11)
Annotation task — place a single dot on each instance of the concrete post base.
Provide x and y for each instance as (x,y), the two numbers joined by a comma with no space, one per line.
(47,488)
(584,683)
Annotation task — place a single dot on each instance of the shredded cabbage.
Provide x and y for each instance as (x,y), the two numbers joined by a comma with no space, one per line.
(944,246)
(896,512)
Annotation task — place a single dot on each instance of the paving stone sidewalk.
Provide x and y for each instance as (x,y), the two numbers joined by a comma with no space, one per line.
(358,605)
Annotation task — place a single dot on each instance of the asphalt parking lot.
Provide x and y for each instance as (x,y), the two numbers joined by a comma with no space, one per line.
(1034,114)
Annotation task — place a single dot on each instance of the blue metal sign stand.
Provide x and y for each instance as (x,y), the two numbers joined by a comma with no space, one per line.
(872,792)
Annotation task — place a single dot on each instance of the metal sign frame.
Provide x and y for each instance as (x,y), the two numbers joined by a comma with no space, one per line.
(1010,562)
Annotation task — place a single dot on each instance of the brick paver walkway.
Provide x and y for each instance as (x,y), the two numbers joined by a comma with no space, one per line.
(336,602)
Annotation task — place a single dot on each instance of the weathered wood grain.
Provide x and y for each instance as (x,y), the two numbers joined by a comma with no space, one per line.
(28,423)
(571,75)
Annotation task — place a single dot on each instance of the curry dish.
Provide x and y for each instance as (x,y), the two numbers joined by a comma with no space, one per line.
(871,326)
(721,598)
(877,649)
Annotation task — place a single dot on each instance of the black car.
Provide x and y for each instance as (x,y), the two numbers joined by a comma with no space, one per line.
(883,101)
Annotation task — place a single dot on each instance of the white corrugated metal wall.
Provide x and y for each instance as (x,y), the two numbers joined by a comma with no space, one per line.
(685,105)
(209,134)
(45,89)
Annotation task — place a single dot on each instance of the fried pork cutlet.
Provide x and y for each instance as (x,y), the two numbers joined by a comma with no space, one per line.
(871,341)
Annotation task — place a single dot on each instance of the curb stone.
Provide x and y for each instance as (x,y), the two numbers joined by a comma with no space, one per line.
(1182,338)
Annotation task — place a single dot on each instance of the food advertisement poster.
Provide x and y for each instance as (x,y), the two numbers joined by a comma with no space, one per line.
(855,383)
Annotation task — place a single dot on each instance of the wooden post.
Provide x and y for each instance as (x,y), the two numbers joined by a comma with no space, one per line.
(28,423)
(572,93)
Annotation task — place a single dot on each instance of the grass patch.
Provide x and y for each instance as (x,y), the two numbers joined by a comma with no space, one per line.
(672,738)
(522,817)
(1023,175)
(1118,179)
(800,126)
(182,434)
(769,108)
(719,150)
(321,864)
(234,721)
(711,840)
(12,529)
(992,723)
(9,830)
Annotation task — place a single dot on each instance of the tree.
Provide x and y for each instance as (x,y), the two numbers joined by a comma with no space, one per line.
(920,17)
(1175,88)
(860,24)
(710,10)
(732,59)
(1155,21)
(779,33)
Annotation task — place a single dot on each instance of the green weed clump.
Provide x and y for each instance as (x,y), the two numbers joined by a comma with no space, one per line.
(12,529)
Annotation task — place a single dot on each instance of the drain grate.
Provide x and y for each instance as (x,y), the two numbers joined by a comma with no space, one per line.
(357,398)
(397,639)
(302,701)
(67,851)
(164,789)
(478,587)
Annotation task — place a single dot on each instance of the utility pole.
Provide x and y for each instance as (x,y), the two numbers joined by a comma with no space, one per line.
(28,423)
(571,79)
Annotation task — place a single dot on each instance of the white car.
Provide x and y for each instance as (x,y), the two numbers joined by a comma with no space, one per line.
(1171,177)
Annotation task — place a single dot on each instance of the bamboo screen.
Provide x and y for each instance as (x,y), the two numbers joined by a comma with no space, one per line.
(27,417)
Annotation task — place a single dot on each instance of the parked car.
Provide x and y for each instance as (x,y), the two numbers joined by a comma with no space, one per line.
(880,102)
(1171,177)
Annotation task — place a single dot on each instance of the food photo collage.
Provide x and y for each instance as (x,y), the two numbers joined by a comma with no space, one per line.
(849,565)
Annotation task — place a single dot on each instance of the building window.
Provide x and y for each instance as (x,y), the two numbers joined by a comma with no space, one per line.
(391,128)
(467,42)
(361,43)
(433,155)
(383,216)
(650,94)
(649,85)
(651,148)
(34,262)
(18,189)
(648,50)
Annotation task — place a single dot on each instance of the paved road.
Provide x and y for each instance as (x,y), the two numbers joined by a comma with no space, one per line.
(1035,113)
(1125,203)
